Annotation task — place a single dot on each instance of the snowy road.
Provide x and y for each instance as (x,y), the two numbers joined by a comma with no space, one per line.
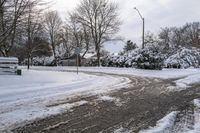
(27,97)
(147,103)
(123,100)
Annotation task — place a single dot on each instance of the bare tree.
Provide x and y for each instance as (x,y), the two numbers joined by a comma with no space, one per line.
(101,17)
(171,39)
(11,12)
(150,39)
(192,34)
(53,24)
(87,40)
(34,31)
(79,34)
(65,37)
(76,30)
(164,37)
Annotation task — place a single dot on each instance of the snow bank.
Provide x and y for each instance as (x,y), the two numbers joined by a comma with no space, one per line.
(189,122)
(196,127)
(163,125)
(197,115)
(187,81)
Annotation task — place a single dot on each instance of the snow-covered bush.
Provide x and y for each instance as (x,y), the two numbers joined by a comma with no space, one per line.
(92,62)
(184,58)
(147,58)
(115,61)
(43,61)
(153,57)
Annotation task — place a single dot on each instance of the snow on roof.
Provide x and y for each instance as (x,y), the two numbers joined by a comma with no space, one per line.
(88,55)
(115,54)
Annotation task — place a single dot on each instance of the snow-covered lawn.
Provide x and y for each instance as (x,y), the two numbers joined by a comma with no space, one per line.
(165,73)
(27,97)
(187,76)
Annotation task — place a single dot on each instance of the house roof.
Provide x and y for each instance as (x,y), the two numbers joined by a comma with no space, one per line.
(89,55)
(74,56)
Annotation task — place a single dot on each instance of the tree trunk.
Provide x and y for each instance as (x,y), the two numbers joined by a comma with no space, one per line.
(79,60)
(7,53)
(28,63)
(84,53)
(31,61)
(2,52)
(98,56)
(54,54)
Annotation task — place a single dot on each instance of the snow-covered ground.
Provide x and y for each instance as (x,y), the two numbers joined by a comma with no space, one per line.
(188,80)
(189,119)
(165,73)
(110,99)
(196,117)
(164,125)
(187,76)
(170,124)
(26,97)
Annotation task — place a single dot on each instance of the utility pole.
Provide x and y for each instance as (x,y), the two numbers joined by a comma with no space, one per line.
(143,23)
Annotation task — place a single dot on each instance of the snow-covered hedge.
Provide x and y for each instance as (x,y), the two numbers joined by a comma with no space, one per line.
(148,58)
(114,61)
(151,58)
(184,58)
(43,61)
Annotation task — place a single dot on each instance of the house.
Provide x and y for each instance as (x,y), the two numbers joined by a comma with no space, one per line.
(72,60)
(69,61)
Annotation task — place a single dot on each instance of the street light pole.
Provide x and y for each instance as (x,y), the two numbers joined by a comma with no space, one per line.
(143,34)
(143,23)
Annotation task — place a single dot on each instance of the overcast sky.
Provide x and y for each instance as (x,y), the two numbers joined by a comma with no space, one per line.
(157,14)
